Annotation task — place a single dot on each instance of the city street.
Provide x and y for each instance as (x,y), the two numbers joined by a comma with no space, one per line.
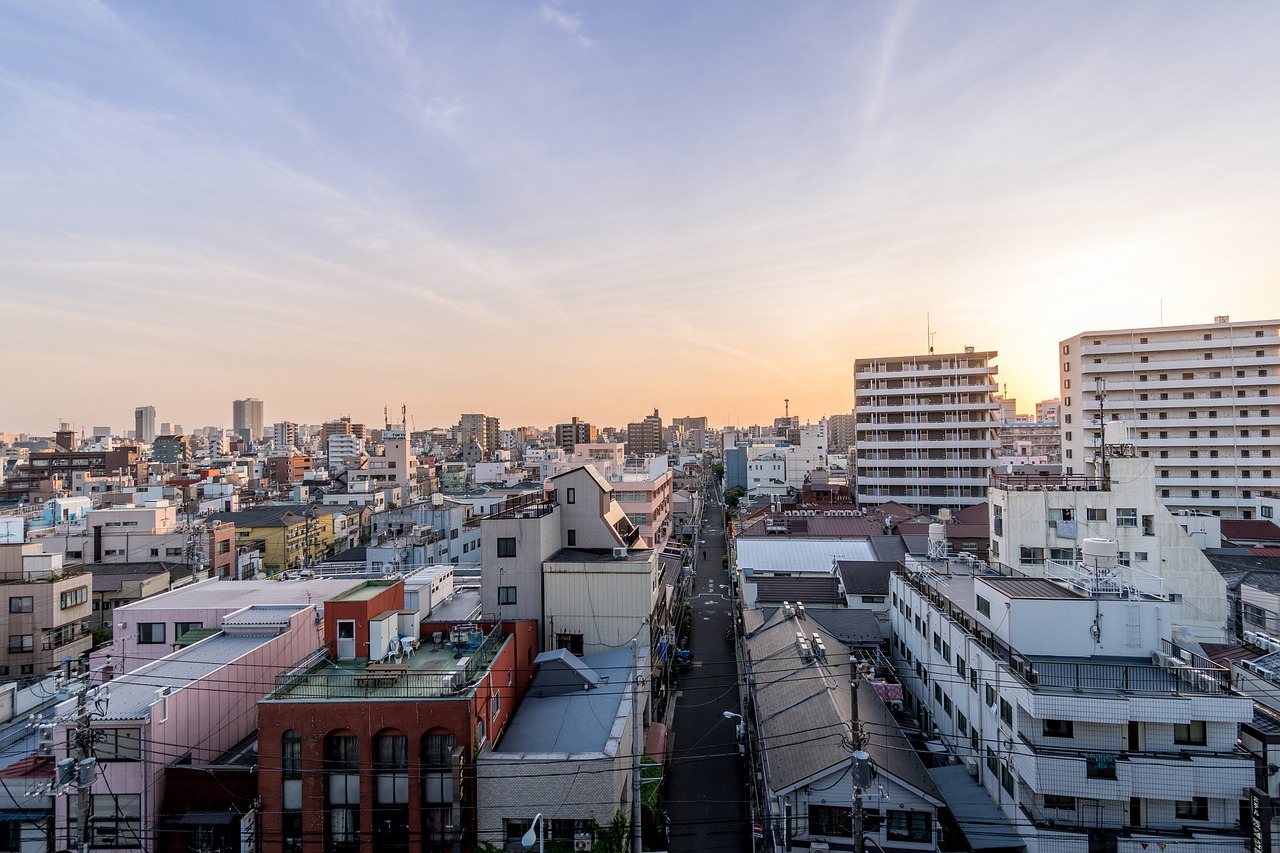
(706,794)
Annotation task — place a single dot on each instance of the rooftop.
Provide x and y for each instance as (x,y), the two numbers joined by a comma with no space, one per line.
(800,554)
(433,672)
(233,595)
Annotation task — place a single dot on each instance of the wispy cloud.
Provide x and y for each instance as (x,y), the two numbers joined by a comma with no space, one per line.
(569,22)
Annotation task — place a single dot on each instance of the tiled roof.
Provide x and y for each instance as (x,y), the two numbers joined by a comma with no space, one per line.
(1250,529)
(819,590)
(865,577)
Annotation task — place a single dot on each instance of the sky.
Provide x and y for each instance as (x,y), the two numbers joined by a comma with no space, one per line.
(541,210)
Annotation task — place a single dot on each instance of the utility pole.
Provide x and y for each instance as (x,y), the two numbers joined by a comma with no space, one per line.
(860,761)
(78,771)
(636,750)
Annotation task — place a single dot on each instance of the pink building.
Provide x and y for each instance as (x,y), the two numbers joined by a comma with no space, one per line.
(193,705)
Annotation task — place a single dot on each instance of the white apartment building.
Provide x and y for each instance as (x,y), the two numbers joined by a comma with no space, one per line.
(1090,730)
(1039,525)
(1203,401)
(806,456)
(341,447)
(926,428)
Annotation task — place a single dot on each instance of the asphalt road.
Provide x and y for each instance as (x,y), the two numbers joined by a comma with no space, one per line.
(706,794)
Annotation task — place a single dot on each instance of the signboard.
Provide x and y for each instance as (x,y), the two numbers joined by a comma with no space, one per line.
(757,831)
(1259,821)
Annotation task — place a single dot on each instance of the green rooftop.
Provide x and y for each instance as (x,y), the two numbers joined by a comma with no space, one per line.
(366,591)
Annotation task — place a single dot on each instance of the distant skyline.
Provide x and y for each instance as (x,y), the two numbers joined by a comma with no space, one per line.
(543,210)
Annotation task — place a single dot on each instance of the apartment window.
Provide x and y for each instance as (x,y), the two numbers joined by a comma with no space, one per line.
(118,743)
(962,667)
(1196,808)
(1066,383)
(506,546)
(830,821)
(21,604)
(1126,517)
(1100,767)
(1066,349)
(984,606)
(1208,356)
(571,642)
(1066,366)
(570,495)
(21,644)
(115,821)
(1142,340)
(915,827)
(1059,728)
(1143,359)
(1190,733)
(1030,557)
(342,800)
(1006,712)
(1164,377)
(571,538)
(72,597)
(506,595)
(150,633)
(1056,801)
(181,628)
(1096,513)
(990,693)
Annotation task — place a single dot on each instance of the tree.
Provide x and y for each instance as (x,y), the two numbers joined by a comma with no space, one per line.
(614,837)
(733,495)
(718,470)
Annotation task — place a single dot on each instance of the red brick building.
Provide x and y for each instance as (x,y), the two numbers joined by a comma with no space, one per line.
(360,756)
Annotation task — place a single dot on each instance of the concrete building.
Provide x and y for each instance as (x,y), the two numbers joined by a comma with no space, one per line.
(576,432)
(144,424)
(644,437)
(170,449)
(246,419)
(925,435)
(1039,526)
(48,613)
(1049,411)
(1202,399)
(284,435)
(481,430)
(194,704)
(842,433)
(1085,724)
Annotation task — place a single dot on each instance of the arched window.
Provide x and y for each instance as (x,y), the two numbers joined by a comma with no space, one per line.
(342,794)
(438,794)
(291,790)
(391,792)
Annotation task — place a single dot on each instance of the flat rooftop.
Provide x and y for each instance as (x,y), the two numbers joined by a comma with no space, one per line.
(1030,588)
(366,591)
(233,595)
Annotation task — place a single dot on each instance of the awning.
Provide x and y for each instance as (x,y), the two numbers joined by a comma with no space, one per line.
(983,825)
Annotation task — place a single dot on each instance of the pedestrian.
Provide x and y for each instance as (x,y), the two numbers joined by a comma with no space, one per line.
(704,555)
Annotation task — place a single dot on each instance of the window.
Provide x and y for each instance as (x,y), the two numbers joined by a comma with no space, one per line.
(1126,517)
(570,495)
(506,546)
(572,642)
(1059,728)
(909,826)
(180,628)
(342,791)
(150,633)
(1030,557)
(1100,767)
(873,599)
(506,595)
(1006,712)
(21,644)
(21,604)
(1054,801)
(984,606)
(118,744)
(1096,514)
(1189,734)
(115,821)
(1196,808)
(572,538)
(830,821)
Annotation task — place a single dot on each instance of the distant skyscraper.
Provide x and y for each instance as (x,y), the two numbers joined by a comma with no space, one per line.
(144,421)
(246,418)
(841,432)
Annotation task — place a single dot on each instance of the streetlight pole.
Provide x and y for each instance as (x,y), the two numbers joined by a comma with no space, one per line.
(526,840)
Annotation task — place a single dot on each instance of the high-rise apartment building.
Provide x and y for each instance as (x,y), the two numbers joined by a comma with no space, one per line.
(842,432)
(481,429)
(246,419)
(926,428)
(570,435)
(1203,401)
(144,423)
(284,435)
(645,437)
(1049,411)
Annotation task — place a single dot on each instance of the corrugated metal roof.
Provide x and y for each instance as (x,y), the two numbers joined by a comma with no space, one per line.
(132,695)
(983,825)
(796,554)
(257,615)
(234,595)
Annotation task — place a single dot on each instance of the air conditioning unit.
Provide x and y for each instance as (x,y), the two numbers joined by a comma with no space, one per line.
(895,704)
(582,842)
(1159,658)
(1251,637)
(619,553)
(971,764)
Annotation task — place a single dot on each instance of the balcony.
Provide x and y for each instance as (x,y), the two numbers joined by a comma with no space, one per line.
(433,673)
(1052,483)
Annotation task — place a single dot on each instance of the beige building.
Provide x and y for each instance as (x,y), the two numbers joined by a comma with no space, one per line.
(47,613)
(1203,399)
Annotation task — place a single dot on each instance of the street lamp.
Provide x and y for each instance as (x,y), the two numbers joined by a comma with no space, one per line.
(526,841)
(739,730)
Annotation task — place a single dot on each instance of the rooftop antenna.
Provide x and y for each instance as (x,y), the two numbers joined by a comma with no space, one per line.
(786,407)
(929,332)
(1100,393)
(386,418)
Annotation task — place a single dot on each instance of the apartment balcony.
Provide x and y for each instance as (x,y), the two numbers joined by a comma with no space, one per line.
(1053,483)
(922,481)
(901,370)
(1065,832)
(915,441)
(1220,341)
(881,404)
